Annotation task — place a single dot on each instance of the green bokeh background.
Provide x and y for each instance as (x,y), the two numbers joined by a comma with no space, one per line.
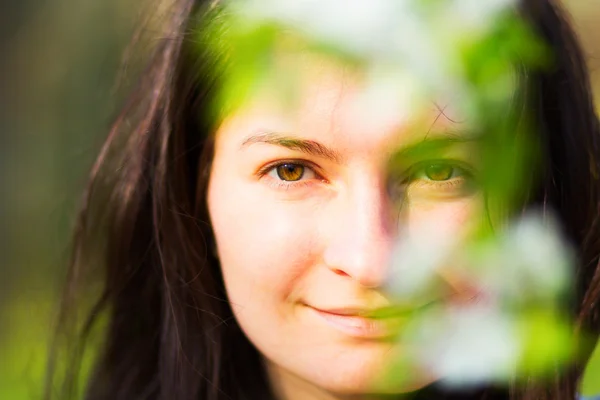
(60,60)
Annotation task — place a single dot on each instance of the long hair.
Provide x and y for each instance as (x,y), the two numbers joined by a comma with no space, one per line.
(168,330)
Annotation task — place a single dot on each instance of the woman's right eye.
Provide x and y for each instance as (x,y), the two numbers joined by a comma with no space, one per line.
(291,172)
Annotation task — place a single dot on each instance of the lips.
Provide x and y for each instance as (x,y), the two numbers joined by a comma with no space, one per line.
(363,323)
(385,312)
(385,322)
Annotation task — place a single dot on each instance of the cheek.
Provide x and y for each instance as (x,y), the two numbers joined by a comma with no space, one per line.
(265,247)
(446,218)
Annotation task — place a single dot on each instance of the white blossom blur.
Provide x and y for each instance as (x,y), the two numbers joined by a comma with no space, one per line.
(468,346)
(417,40)
(523,270)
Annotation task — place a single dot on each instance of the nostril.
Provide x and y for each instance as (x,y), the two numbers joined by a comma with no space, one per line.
(339,272)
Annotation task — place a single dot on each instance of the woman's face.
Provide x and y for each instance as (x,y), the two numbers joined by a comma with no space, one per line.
(307,211)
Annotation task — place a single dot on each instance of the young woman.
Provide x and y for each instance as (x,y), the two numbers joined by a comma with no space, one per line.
(244,255)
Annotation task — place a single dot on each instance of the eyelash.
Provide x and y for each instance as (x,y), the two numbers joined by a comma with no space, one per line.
(414,179)
(282,184)
(465,171)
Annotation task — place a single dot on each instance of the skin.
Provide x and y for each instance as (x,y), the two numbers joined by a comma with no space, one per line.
(291,251)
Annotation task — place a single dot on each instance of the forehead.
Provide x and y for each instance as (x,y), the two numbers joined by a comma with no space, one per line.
(318,98)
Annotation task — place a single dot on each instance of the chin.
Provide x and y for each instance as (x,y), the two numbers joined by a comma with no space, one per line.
(390,384)
(351,373)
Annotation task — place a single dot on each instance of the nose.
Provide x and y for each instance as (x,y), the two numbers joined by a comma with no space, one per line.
(361,235)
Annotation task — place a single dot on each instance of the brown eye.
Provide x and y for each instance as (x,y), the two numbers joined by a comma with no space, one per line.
(290,172)
(439,172)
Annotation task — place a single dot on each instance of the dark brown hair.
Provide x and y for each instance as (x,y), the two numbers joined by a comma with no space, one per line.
(168,331)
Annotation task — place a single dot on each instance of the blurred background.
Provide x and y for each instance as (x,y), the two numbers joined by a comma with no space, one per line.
(59,66)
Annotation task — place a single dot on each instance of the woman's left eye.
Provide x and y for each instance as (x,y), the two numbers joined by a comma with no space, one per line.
(446,175)
(438,172)
(433,178)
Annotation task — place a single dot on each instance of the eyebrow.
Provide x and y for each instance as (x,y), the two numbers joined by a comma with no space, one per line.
(432,145)
(294,143)
(440,140)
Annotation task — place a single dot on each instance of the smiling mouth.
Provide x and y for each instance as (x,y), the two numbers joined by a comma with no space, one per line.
(383,323)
